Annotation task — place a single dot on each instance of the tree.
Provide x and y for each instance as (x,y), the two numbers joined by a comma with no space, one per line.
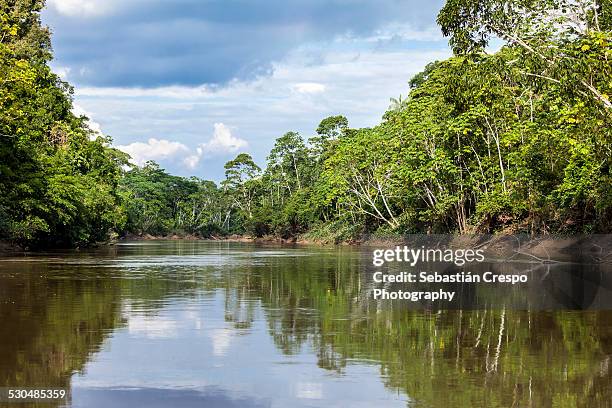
(58,186)
(397,104)
(289,159)
(204,210)
(548,32)
(329,130)
(332,127)
(241,183)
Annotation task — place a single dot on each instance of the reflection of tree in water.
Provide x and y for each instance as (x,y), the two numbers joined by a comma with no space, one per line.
(150,289)
(51,327)
(293,293)
(238,309)
(445,358)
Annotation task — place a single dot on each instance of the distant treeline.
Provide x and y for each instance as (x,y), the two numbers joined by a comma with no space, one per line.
(519,139)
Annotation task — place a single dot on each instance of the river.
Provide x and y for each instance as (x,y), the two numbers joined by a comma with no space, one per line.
(217,324)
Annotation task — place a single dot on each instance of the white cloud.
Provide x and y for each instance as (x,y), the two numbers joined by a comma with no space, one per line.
(401,31)
(365,79)
(192,161)
(222,142)
(350,76)
(221,341)
(77,110)
(82,8)
(62,72)
(175,92)
(152,327)
(309,390)
(154,149)
(309,88)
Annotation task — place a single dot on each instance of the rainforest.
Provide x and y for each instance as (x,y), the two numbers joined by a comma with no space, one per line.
(510,134)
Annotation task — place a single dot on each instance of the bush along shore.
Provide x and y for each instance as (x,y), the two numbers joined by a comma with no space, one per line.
(512,141)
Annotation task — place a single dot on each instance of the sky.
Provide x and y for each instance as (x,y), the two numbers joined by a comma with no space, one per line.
(192,83)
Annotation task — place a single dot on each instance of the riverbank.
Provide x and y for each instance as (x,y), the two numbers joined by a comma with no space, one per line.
(230,238)
(6,248)
(583,248)
(544,249)
(524,248)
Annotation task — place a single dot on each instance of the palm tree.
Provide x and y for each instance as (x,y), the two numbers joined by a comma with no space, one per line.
(397,104)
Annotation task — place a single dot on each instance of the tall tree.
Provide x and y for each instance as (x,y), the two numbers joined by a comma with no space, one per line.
(58,185)
(241,182)
(288,161)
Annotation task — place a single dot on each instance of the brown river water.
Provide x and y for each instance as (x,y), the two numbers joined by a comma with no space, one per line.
(216,324)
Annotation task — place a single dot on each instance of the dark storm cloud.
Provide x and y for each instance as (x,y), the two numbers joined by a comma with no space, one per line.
(149,43)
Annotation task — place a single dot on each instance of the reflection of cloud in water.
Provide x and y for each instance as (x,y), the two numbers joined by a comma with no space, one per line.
(209,258)
(193,315)
(309,390)
(152,327)
(162,398)
(221,340)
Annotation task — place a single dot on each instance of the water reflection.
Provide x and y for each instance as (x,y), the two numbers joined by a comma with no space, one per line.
(217,324)
(158,398)
(51,327)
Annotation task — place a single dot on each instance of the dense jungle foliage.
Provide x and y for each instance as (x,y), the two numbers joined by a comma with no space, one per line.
(57,185)
(518,139)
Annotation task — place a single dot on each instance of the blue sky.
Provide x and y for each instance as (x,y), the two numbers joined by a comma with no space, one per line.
(191,83)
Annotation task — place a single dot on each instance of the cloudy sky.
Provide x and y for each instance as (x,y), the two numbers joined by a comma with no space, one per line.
(191,83)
